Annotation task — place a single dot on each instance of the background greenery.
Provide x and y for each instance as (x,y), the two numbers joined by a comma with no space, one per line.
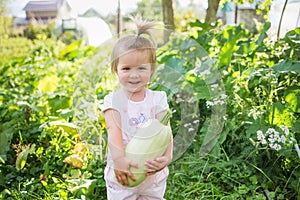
(53,138)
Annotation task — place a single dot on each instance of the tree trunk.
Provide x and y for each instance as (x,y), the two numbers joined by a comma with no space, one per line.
(211,12)
(281,16)
(168,18)
(3,12)
(118,19)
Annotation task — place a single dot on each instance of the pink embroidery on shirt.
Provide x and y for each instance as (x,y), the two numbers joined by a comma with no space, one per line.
(134,121)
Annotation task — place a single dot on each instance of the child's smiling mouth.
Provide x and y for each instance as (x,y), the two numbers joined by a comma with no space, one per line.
(134,82)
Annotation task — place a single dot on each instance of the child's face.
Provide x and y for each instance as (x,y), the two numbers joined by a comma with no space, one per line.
(134,71)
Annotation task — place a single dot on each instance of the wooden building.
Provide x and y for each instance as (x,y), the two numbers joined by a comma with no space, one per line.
(48,10)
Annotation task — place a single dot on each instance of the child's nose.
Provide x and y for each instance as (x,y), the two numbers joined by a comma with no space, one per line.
(134,73)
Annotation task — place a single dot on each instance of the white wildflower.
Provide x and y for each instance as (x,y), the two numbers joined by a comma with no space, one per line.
(271,139)
(260,135)
(209,103)
(283,139)
(285,129)
(219,102)
(214,86)
(196,121)
(275,139)
(178,100)
(191,129)
(223,96)
(276,133)
(275,146)
(187,124)
(270,130)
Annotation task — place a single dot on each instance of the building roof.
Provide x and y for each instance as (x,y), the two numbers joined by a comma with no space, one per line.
(91,12)
(20,21)
(46,5)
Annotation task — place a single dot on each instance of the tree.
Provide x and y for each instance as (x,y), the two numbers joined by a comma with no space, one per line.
(168,18)
(213,5)
(150,10)
(4,20)
(3,6)
(211,12)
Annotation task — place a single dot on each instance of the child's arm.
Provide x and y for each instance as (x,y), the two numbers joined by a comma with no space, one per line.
(161,162)
(115,144)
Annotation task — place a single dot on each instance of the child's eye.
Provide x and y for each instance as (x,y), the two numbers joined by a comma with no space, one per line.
(125,68)
(142,68)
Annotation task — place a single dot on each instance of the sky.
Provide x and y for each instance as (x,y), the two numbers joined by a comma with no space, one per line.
(104,7)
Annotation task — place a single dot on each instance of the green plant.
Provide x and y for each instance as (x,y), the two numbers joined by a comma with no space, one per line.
(241,84)
(261,80)
(37,131)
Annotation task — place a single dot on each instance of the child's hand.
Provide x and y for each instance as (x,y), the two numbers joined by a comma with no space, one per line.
(153,166)
(122,172)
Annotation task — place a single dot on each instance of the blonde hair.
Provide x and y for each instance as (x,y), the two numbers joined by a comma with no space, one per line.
(133,42)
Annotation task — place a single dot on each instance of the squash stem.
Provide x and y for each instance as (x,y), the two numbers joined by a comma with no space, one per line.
(165,119)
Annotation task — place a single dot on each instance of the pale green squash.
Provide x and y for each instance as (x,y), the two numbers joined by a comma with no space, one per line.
(148,143)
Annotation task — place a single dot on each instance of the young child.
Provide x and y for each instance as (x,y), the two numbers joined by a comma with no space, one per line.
(126,110)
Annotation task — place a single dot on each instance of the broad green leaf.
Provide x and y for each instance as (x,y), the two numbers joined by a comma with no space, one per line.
(296,126)
(188,44)
(59,102)
(22,157)
(42,109)
(7,130)
(228,49)
(74,160)
(292,96)
(48,84)
(293,36)
(75,173)
(203,26)
(211,138)
(280,115)
(254,179)
(70,49)
(66,126)
(66,113)
(176,64)
(287,66)
(263,35)
(86,184)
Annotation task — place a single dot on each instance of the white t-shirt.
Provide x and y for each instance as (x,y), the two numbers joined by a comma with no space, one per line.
(134,114)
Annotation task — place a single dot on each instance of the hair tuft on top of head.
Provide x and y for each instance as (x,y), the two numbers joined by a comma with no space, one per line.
(143,26)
